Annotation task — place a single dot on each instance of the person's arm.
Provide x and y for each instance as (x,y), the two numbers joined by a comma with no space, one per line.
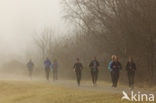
(81,66)
(56,65)
(44,63)
(74,67)
(98,64)
(33,65)
(134,67)
(90,65)
(109,66)
(113,65)
(52,67)
(120,66)
(127,66)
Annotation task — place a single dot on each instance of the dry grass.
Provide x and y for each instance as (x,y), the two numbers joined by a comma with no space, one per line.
(33,92)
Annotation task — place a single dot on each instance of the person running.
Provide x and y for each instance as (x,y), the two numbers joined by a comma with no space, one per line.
(54,69)
(116,67)
(131,68)
(47,64)
(77,69)
(30,66)
(109,67)
(94,64)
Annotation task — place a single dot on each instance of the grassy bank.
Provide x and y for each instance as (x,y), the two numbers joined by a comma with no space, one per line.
(29,92)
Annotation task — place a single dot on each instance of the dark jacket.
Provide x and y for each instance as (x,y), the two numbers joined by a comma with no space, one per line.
(78,67)
(116,66)
(130,66)
(30,65)
(94,65)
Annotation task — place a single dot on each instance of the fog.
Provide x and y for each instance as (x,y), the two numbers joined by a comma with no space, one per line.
(20,18)
(56,39)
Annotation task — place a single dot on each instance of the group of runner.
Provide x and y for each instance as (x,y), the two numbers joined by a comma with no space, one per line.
(48,65)
(94,64)
(114,67)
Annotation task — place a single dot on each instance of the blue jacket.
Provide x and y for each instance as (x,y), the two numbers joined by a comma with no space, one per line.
(109,66)
(47,63)
(54,66)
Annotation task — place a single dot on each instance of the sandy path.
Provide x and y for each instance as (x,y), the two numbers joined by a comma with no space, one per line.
(104,87)
(99,88)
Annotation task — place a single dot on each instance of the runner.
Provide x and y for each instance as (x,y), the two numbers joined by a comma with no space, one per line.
(116,67)
(54,69)
(110,69)
(77,69)
(30,66)
(94,70)
(47,64)
(131,68)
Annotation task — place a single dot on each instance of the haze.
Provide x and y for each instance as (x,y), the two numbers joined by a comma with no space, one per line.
(20,18)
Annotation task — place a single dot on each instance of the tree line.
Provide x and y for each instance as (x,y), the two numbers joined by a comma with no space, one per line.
(103,28)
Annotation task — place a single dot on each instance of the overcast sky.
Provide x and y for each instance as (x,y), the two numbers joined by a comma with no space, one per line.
(20,18)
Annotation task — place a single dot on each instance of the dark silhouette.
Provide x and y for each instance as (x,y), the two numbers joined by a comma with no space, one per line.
(47,64)
(94,70)
(110,69)
(30,66)
(78,68)
(131,68)
(54,69)
(116,67)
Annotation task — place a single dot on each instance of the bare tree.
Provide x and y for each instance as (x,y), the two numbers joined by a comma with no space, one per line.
(123,27)
(43,41)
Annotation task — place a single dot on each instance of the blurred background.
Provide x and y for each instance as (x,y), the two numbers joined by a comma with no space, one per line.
(67,29)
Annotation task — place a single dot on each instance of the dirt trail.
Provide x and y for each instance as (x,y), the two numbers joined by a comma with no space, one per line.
(99,88)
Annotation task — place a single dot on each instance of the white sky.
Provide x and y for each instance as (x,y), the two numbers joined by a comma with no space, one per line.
(20,18)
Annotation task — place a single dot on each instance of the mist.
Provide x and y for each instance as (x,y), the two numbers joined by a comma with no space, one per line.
(37,29)
(69,51)
(19,19)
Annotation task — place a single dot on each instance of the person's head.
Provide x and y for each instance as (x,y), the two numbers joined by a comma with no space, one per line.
(130,59)
(94,58)
(30,60)
(113,57)
(77,59)
(116,59)
(47,58)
